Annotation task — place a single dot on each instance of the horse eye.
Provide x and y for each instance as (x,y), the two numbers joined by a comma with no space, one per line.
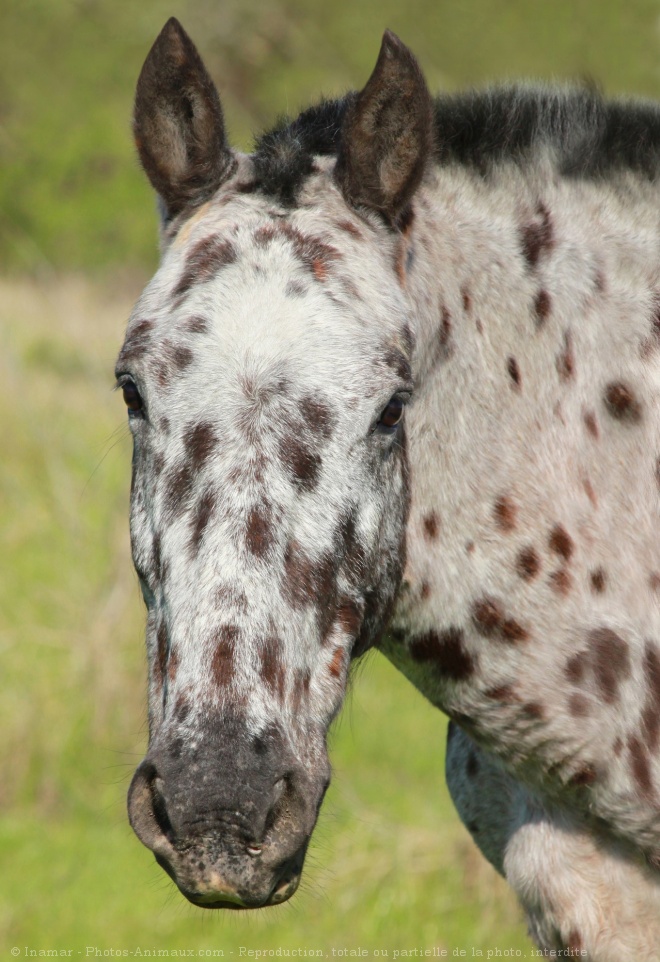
(132,397)
(391,413)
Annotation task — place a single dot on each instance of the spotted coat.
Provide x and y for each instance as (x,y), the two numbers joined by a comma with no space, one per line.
(498,276)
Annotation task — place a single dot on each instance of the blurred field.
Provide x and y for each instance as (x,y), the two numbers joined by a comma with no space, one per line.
(390,867)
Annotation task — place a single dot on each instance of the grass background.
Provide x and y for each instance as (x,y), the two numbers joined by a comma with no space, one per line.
(390,866)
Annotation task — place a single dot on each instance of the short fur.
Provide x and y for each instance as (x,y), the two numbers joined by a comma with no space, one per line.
(499,544)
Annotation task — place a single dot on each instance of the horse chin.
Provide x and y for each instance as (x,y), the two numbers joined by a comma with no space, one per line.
(227,900)
(214,892)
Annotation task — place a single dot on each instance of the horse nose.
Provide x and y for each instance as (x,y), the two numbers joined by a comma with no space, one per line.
(229,833)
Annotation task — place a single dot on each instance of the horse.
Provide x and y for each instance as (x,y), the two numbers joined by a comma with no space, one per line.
(396,385)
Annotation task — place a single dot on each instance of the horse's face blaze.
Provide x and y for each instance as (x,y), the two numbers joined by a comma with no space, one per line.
(270,355)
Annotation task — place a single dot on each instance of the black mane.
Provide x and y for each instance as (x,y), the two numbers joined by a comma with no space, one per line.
(589,137)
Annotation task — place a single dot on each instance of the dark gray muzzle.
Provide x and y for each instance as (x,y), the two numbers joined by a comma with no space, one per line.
(228,815)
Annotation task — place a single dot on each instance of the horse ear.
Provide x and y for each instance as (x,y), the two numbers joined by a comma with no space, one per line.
(387,134)
(178,124)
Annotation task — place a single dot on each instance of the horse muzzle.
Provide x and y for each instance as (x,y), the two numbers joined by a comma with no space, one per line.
(230,818)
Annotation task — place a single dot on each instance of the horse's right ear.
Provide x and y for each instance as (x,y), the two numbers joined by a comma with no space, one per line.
(178,123)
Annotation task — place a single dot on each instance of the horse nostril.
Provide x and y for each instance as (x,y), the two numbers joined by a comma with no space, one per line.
(160,810)
(281,795)
(147,811)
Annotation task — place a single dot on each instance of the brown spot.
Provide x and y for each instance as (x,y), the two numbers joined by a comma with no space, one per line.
(161,652)
(204,261)
(181,356)
(300,692)
(399,364)
(472,765)
(579,706)
(611,661)
(537,236)
(181,708)
(447,652)
(534,709)
(621,402)
(651,725)
(575,668)
(639,766)
(199,442)
(137,343)
(598,578)
(271,666)
(467,300)
(258,530)
(222,661)
(197,325)
(203,511)
(400,263)
(349,617)
(445,343)
(561,581)
(503,693)
(301,461)
(652,671)
(657,471)
(350,228)
(651,714)
(504,511)
(295,289)
(479,326)
(514,372)
(336,666)
(172,664)
(528,563)
(589,491)
(317,416)
(431,524)
(542,307)
(591,424)
(583,777)
(178,485)
(560,542)
(312,252)
(574,943)
(488,616)
(351,548)
(489,619)
(617,746)
(654,581)
(513,631)
(307,582)
(566,359)
(156,558)
(425,591)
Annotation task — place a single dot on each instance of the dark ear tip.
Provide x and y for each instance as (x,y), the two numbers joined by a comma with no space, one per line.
(392,42)
(172,35)
(172,26)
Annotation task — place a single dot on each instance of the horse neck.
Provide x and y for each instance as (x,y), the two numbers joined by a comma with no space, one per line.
(524,286)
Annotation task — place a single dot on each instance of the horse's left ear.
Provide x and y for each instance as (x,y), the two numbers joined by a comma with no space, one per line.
(178,123)
(387,134)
